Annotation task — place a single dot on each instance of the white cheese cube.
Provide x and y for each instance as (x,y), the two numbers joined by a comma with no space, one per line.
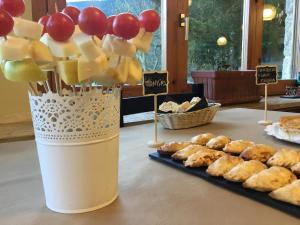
(60,49)
(107,44)
(87,46)
(123,48)
(27,29)
(135,71)
(14,48)
(88,69)
(143,40)
(40,53)
(120,72)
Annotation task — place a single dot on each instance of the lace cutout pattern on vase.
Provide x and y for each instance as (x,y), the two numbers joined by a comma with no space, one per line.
(89,116)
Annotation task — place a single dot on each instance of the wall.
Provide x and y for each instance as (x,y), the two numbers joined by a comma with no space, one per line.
(14,105)
(288,40)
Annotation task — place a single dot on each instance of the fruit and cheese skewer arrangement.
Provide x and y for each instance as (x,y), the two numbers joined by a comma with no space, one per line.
(79,47)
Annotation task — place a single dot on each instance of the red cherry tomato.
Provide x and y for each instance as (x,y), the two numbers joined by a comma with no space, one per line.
(150,20)
(126,26)
(60,27)
(13,7)
(110,21)
(72,12)
(43,20)
(92,21)
(6,23)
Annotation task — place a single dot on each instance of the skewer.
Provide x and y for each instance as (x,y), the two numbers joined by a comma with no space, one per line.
(74,89)
(57,81)
(32,89)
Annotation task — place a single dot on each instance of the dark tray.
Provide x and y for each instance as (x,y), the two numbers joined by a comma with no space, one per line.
(231,186)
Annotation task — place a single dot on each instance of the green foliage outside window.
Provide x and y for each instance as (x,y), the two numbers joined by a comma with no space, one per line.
(273,36)
(209,20)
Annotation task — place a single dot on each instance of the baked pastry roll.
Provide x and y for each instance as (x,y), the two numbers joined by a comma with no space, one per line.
(270,179)
(223,165)
(290,124)
(285,158)
(236,147)
(172,147)
(244,170)
(218,142)
(259,152)
(289,193)
(184,153)
(296,169)
(204,157)
(202,139)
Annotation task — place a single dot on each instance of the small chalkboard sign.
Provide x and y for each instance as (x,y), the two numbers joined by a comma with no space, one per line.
(266,74)
(155,83)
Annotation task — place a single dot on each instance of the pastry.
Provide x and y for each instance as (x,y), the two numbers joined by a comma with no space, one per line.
(203,158)
(184,153)
(296,169)
(172,147)
(168,106)
(244,170)
(236,147)
(184,107)
(218,143)
(289,193)
(202,139)
(259,152)
(270,179)
(290,123)
(223,165)
(285,158)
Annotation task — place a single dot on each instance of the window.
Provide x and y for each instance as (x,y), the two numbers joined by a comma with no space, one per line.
(151,60)
(278,28)
(215,34)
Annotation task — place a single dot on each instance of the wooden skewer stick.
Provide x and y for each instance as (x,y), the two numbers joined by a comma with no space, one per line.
(56,79)
(47,83)
(55,7)
(46,87)
(74,89)
(32,89)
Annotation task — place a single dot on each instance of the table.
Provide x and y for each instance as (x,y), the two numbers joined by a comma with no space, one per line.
(150,193)
(275,103)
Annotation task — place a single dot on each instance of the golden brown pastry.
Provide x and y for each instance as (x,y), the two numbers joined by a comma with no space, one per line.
(290,123)
(203,158)
(218,142)
(244,170)
(236,147)
(202,139)
(184,153)
(285,158)
(270,179)
(289,193)
(296,169)
(223,165)
(172,147)
(259,152)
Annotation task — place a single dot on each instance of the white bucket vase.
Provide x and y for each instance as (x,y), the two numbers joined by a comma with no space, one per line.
(77,140)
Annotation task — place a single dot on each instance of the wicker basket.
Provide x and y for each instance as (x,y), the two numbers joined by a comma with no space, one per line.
(177,121)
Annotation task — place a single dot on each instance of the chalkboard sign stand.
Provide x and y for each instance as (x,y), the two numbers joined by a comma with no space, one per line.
(266,75)
(155,143)
(265,122)
(155,83)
